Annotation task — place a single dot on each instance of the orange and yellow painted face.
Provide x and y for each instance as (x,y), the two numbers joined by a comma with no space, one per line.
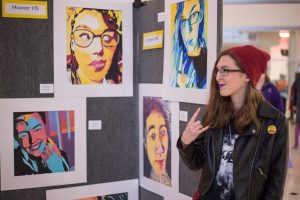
(32,134)
(189,26)
(157,142)
(94,46)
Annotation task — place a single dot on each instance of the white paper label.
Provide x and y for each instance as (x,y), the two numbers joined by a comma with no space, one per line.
(46,88)
(161,17)
(95,124)
(25,9)
(183,116)
(152,40)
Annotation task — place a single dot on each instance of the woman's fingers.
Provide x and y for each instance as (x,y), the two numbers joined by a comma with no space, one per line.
(202,130)
(193,129)
(193,118)
(197,123)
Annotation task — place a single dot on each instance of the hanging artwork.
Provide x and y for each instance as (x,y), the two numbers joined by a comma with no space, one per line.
(120,196)
(40,141)
(90,42)
(43,142)
(120,190)
(159,123)
(157,129)
(190,49)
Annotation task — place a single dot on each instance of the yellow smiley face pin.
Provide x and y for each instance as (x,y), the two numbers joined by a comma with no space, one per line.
(272,129)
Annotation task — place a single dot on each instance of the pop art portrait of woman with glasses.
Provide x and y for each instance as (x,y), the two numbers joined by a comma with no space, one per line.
(94,46)
(189,44)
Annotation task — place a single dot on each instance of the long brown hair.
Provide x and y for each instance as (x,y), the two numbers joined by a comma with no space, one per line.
(220,110)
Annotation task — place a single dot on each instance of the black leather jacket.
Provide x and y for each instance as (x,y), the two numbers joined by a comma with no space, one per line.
(260,157)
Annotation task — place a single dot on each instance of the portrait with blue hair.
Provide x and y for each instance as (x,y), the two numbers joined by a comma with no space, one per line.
(189,45)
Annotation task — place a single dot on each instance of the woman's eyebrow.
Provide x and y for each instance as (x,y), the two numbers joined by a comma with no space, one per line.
(150,127)
(162,126)
(191,12)
(193,8)
(37,126)
(222,67)
(82,26)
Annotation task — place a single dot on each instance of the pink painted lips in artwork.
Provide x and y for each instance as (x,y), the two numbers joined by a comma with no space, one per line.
(98,65)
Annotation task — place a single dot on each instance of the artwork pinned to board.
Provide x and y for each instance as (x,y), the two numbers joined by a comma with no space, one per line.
(159,126)
(190,49)
(157,129)
(93,48)
(120,190)
(43,142)
(120,196)
(40,141)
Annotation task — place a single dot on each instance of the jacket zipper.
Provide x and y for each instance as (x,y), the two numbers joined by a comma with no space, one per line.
(260,133)
(261,172)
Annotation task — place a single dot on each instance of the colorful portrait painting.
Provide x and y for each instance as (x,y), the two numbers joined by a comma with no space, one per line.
(188,44)
(94,46)
(157,140)
(120,196)
(43,142)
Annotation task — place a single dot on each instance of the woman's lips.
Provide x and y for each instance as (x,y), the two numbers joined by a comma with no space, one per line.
(36,146)
(221,85)
(98,65)
(160,163)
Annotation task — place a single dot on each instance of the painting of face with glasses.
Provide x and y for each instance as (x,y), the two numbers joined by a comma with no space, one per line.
(94,46)
(189,44)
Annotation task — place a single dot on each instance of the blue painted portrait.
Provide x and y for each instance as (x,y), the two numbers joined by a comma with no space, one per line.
(189,45)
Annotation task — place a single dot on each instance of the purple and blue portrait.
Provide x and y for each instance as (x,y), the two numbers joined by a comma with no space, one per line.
(189,44)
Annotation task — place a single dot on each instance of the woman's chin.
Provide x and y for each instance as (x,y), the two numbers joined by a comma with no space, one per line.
(194,53)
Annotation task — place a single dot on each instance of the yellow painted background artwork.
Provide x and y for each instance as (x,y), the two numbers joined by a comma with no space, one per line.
(88,61)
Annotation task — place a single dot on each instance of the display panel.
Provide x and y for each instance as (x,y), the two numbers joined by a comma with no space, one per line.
(40,142)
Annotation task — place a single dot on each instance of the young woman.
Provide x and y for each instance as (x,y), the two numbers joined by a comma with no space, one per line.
(95,47)
(241,145)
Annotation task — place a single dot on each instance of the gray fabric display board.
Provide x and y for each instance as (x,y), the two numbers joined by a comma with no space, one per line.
(26,54)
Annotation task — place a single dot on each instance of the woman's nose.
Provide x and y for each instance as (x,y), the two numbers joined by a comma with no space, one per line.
(160,149)
(97,46)
(218,76)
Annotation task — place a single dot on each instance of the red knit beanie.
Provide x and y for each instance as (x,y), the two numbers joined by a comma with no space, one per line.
(253,61)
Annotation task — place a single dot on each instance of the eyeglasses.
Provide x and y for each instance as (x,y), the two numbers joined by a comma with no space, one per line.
(193,18)
(83,38)
(225,72)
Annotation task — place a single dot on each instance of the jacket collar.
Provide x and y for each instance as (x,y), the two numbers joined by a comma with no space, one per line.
(265,110)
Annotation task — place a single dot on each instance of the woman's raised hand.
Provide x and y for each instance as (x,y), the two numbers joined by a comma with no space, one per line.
(193,129)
